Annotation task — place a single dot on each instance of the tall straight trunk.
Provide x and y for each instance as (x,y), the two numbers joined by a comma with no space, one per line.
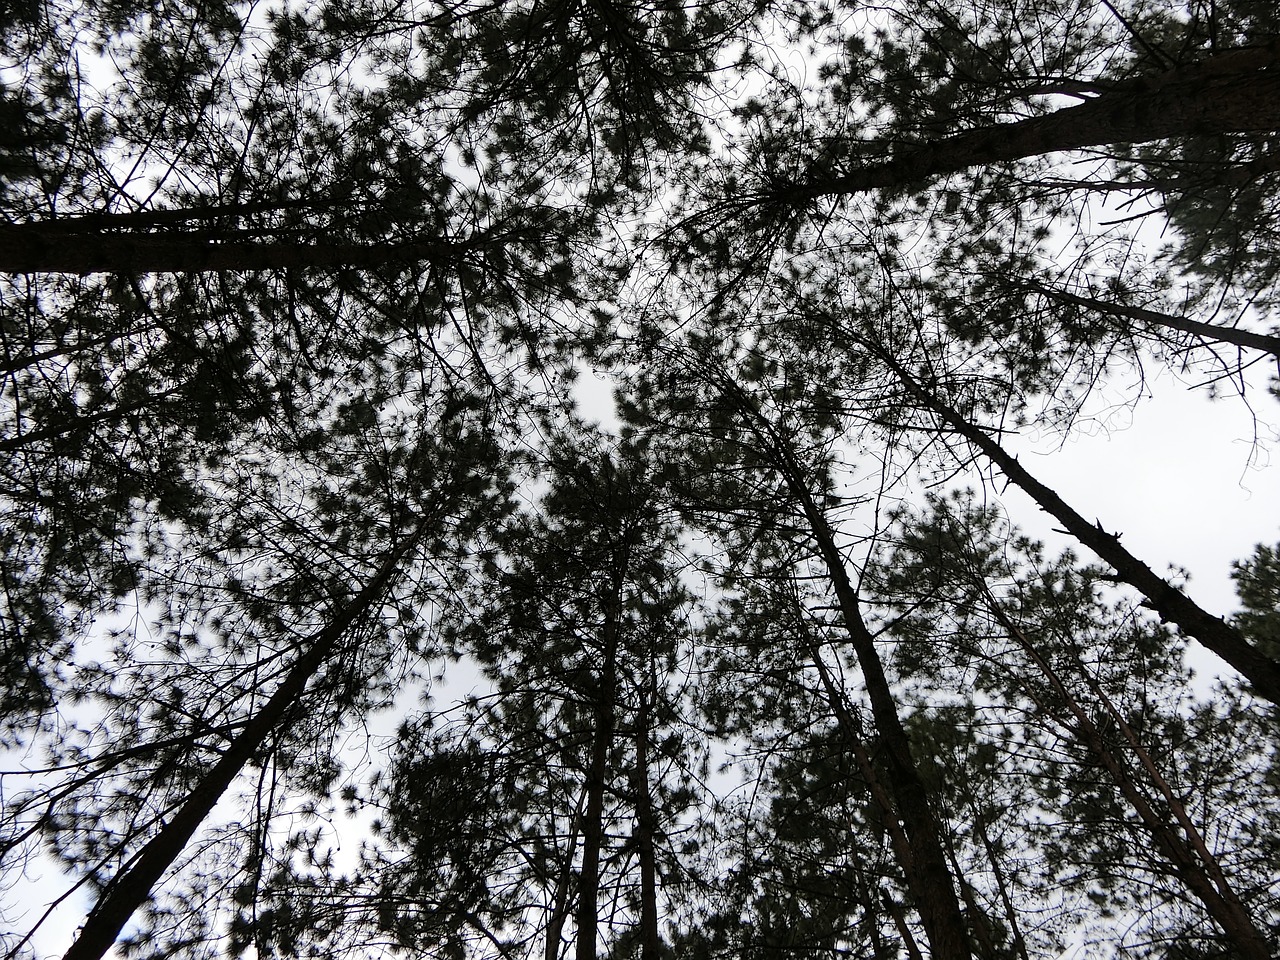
(1233,92)
(1168,601)
(928,877)
(650,944)
(588,918)
(130,888)
(26,249)
(118,247)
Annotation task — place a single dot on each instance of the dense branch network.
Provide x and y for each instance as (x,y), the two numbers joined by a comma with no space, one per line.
(294,309)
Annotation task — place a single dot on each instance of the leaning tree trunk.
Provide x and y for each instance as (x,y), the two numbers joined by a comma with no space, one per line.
(130,888)
(1167,600)
(1209,331)
(924,865)
(560,895)
(1233,92)
(1192,860)
(927,875)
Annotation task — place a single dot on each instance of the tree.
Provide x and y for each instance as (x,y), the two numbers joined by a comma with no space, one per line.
(514,819)
(227,644)
(763,445)
(1222,94)
(582,631)
(295,303)
(1110,717)
(1257,582)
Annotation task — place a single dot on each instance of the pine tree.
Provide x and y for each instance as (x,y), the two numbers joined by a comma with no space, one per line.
(295,302)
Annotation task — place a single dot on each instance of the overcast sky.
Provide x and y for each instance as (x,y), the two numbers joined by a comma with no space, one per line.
(1187,479)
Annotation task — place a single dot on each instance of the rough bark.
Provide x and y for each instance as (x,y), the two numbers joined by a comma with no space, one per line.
(1233,92)
(129,889)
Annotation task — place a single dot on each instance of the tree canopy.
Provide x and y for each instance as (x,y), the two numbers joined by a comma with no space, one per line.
(339,621)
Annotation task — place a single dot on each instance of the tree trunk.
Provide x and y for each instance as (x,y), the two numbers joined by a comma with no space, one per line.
(928,877)
(51,246)
(593,822)
(1233,92)
(993,857)
(1209,331)
(26,248)
(650,944)
(1169,602)
(130,888)
(1190,858)
(560,897)
(900,922)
